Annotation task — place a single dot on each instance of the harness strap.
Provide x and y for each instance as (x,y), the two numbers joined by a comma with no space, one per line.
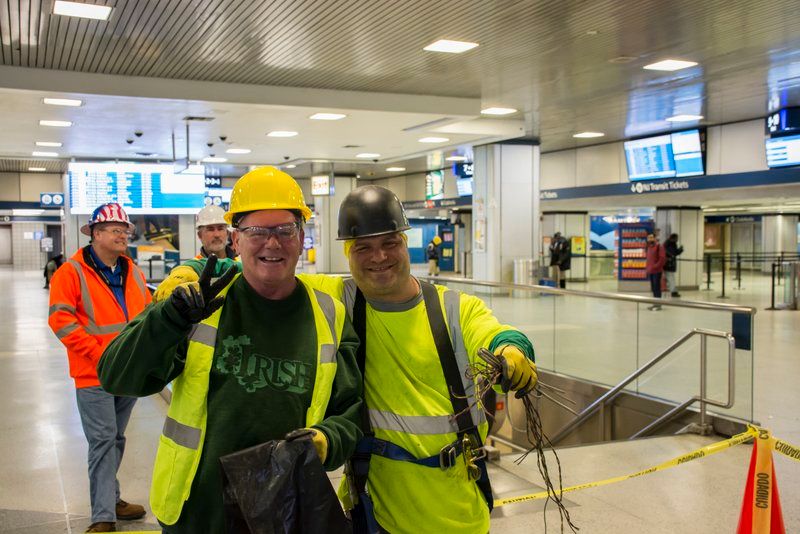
(444,460)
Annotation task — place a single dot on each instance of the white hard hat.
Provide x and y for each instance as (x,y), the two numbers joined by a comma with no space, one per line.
(211,214)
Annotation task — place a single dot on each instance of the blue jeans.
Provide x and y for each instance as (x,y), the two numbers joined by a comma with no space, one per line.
(655,284)
(104,418)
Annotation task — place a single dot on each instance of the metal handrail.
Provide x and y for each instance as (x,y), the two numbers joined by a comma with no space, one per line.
(637,299)
(611,394)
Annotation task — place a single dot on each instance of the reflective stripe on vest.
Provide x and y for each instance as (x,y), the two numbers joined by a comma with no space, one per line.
(92,328)
(439,424)
(181,442)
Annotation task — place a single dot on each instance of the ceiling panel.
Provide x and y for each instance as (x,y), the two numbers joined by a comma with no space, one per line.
(22,165)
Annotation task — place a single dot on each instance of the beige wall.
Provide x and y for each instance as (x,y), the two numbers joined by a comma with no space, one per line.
(26,186)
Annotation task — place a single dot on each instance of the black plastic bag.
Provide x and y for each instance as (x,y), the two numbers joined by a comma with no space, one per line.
(279,487)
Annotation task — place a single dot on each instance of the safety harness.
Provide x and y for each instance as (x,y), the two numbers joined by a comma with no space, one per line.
(467,443)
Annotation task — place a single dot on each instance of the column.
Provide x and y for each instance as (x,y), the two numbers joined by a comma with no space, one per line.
(571,224)
(688,223)
(778,234)
(329,252)
(505,209)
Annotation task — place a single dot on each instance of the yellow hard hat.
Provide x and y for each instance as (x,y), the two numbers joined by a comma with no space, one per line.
(437,240)
(266,188)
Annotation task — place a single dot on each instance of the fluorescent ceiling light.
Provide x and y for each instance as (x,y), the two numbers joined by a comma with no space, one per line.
(48,143)
(451,47)
(498,111)
(327,116)
(588,135)
(56,124)
(213,159)
(395,169)
(45,154)
(434,140)
(36,169)
(27,212)
(281,133)
(368,155)
(289,166)
(456,158)
(238,151)
(70,102)
(670,65)
(77,9)
(684,118)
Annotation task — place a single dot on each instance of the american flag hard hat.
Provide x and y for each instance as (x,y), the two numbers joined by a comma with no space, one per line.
(111,212)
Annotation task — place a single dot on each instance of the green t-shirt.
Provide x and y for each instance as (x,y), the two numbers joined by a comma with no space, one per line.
(260,384)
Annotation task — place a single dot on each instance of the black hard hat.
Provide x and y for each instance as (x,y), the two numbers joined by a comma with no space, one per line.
(371,210)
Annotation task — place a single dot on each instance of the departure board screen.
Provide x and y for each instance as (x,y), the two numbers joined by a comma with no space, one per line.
(140,188)
(676,155)
(783,151)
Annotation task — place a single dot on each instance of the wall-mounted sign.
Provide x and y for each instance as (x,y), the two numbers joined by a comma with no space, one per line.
(321,185)
(434,185)
(213,181)
(51,200)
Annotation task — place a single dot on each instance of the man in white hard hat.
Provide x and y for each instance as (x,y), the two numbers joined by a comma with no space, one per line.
(212,231)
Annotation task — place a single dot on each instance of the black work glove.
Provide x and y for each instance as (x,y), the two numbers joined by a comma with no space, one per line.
(195,301)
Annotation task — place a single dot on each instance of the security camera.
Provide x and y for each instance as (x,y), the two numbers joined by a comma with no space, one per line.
(286,158)
(138,133)
(223,138)
(209,144)
(212,155)
(129,141)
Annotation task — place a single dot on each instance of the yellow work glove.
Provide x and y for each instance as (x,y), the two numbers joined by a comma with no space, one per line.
(317,438)
(519,373)
(177,276)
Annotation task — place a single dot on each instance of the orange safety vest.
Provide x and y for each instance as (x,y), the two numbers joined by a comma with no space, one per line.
(85,315)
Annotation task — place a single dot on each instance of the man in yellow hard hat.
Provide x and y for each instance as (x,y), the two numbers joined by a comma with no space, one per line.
(252,356)
(420,470)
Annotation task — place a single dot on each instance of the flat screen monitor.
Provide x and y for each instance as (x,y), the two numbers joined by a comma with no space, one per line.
(783,151)
(140,188)
(675,155)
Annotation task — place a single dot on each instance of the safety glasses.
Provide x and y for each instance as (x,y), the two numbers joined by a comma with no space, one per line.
(118,232)
(261,234)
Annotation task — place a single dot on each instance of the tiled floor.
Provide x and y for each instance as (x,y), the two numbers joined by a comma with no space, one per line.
(44,487)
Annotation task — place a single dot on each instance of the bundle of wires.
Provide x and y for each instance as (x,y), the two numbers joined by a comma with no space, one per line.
(490,371)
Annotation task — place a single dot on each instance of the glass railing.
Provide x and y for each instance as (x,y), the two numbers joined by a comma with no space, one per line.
(604,337)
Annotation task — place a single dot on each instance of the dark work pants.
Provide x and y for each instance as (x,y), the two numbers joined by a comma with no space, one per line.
(655,284)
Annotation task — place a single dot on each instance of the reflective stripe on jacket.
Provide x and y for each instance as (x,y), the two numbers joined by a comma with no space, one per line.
(181,442)
(85,315)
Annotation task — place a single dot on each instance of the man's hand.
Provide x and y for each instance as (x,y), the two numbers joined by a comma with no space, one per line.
(177,276)
(197,300)
(519,373)
(317,438)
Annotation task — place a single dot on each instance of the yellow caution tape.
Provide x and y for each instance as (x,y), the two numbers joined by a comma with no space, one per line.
(702,452)
(786,449)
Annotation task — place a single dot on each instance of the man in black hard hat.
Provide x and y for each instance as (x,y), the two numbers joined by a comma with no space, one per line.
(425,429)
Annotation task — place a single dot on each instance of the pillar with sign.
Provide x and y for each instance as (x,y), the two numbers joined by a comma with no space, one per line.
(327,193)
(505,209)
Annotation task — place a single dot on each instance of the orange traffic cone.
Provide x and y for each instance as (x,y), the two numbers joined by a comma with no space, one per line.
(761,506)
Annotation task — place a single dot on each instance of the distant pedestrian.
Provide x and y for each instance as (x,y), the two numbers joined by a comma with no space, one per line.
(672,250)
(433,255)
(656,257)
(560,259)
(51,267)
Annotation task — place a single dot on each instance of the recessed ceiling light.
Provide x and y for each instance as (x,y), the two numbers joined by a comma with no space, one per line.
(588,135)
(684,118)
(282,133)
(327,116)
(77,9)
(670,65)
(56,124)
(368,155)
(48,143)
(36,169)
(70,102)
(498,111)
(44,154)
(214,159)
(451,47)
(238,151)
(434,140)
(456,158)
(395,169)
(289,166)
